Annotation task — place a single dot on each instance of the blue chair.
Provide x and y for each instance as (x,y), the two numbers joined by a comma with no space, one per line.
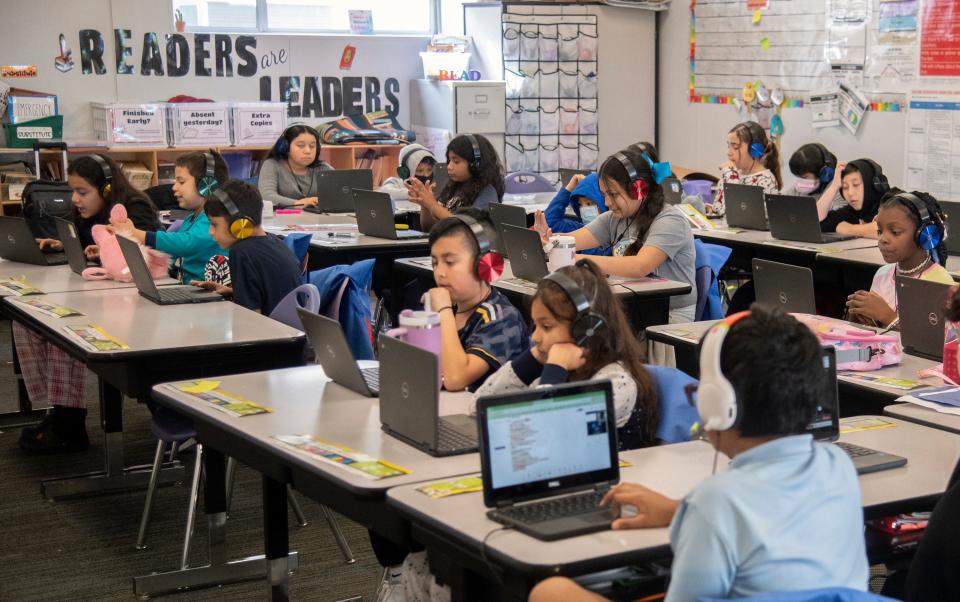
(299,243)
(709,260)
(526,182)
(829,594)
(677,416)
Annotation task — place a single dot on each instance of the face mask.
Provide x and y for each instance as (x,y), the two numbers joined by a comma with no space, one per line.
(589,213)
(805,186)
(424,179)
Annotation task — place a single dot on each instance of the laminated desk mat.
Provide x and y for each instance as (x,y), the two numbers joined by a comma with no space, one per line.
(209,391)
(48,309)
(17,287)
(885,381)
(344,457)
(94,337)
(945,400)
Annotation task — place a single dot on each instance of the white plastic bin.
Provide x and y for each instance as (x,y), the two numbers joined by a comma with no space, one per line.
(200,124)
(258,123)
(130,123)
(451,62)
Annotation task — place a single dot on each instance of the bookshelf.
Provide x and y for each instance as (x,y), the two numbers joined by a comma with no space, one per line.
(381,158)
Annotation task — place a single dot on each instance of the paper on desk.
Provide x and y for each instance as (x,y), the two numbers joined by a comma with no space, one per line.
(199,386)
(697,219)
(228,403)
(48,309)
(344,457)
(94,337)
(884,381)
(853,425)
(444,489)
(945,400)
(18,287)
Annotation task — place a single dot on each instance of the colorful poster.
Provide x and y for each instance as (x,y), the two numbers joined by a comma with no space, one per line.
(940,38)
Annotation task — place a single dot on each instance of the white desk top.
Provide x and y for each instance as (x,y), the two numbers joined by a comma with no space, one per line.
(60,278)
(304,401)
(675,470)
(145,326)
(925,416)
(871,257)
(622,287)
(276,225)
(764,238)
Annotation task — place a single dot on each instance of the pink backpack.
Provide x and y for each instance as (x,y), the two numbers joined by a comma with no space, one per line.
(859,349)
(111,257)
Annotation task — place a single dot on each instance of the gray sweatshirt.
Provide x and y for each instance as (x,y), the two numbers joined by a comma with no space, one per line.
(282,187)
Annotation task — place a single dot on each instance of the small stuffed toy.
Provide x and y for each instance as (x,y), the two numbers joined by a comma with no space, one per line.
(111,257)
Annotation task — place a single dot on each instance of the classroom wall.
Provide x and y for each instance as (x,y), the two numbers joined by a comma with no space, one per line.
(30,36)
(694,135)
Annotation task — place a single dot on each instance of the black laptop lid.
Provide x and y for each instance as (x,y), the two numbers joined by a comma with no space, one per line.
(672,191)
(547,441)
(794,218)
(138,267)
(825,425)
(72,247)
(920,306)
(409,399)
(567,174)
(332,351)
(334,187)
(525,251)
(744,206)
(17,242)
(788,287)
(951,211)
(440,178)
(374,211)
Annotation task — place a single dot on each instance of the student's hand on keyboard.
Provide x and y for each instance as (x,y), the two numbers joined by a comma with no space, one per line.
(213,286)
(566,355)
(648,508)
(310,201)
(49,244)
(871,307)
(92,252)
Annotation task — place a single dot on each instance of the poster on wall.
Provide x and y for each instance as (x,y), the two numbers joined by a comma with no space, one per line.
(932,159)
(940,39)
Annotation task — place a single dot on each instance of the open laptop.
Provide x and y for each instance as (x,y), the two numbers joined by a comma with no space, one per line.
(548,455)
(525,251)
(72,247)
(333,353)
(920,305)
(951,210)
(440,178)
(334,189)
(826,425)
(672,191)
(796,218)
(410,402)
(168,295)
(502,215)
(566,174)
(374,212)
(17,243)
(788,287)
(744,206)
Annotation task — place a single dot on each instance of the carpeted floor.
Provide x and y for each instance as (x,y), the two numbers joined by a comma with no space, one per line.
(83,549)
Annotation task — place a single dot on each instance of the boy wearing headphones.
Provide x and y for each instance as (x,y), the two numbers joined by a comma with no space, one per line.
(863,187)
(262,269)
(786,514)
(479,329)
(415,161)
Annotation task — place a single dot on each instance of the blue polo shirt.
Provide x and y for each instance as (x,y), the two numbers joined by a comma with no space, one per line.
(785,516)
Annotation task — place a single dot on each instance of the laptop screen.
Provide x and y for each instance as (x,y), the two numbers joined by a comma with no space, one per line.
(547,441)
(825,425)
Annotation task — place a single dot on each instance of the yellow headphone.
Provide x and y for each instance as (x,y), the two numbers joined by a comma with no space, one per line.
(241,226)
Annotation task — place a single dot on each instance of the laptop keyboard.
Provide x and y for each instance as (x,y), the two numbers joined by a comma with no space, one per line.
(560,507)
(179,294)
(371,376)
(449,438)
(55,258)
(855,451)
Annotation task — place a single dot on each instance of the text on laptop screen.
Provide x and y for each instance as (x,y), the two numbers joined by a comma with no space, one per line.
(549,438)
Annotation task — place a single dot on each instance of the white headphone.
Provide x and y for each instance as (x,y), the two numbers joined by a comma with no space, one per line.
(717,403)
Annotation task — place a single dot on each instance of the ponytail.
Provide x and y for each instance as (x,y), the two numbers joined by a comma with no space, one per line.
(771,160)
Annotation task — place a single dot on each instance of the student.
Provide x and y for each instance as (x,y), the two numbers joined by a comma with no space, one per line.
(646,236)
(582,193)
(262,269)
(818,174)
(560,355)
(479,329)
(415,161)
(907,253)
(863,187)
(287,176)
(752,159)
(195,175)
(786,514)
(50,375)
(476,180)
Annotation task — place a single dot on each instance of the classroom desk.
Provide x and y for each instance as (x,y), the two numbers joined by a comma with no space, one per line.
(864,263)
(647,300)
(925,416)
(454,528)
(165,343)
(855,395)
(304,401)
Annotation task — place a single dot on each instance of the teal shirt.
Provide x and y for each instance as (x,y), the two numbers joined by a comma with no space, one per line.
(192,244)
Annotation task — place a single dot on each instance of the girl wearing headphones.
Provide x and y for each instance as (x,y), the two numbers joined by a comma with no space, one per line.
(752,159)
(286,177)
(476,180)
(646,236)
(818,174)
(196,176)
(863,186)
(911,226)
(479,329)
(50,375)
(575,314)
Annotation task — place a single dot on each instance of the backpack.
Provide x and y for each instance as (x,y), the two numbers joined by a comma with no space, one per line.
(44,200)
(857,348)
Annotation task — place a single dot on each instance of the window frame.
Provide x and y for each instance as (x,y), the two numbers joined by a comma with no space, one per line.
(262,25)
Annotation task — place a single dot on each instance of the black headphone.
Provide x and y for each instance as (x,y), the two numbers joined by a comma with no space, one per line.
(476,163)
(282,146)
(208,183)
(931,232)
(107,185)
(241,226)
(487,265)
(587,323)
(827,171)
(635,182)
(879,183)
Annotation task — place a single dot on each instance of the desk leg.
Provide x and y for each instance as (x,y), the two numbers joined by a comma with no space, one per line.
(220,571)
(114,476)
(276,538)
(25,415)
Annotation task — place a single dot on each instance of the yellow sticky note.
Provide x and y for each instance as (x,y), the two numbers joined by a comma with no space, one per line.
(757,15)
(764,44)
(200,386)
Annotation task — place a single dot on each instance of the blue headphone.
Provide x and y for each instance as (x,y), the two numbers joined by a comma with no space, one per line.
(827,171)
(931,232)
(282,146)
(756,149)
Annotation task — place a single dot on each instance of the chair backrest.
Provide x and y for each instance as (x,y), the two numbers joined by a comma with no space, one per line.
(677,416)
(306,296)
(704,279)
(299,243)
(526,182)
(332,310)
